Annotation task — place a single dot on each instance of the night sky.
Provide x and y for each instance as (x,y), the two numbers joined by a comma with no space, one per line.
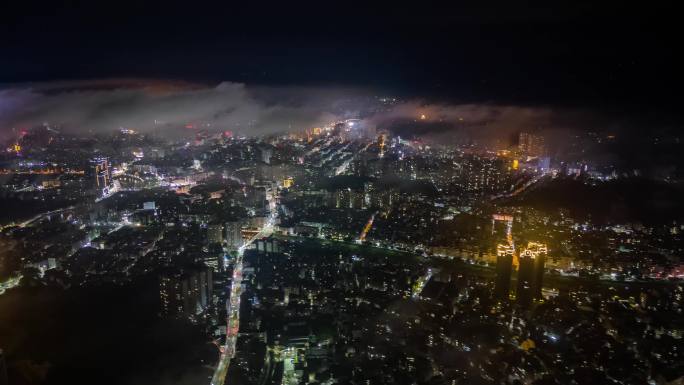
(612,55)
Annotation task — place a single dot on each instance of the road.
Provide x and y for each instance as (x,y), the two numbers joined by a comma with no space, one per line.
(10,283)
(233,305)
(520,189)
(366,229)
(37,217)
(421,282)
(43,215)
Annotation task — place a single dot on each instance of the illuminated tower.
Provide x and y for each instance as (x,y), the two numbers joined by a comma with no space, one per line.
(531,145)
(531,273)
(381,145)
(540,251)
(526,276)
(504,266)
(102,172)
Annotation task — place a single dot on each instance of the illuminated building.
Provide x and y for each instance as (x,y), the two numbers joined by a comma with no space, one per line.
(102,172)
(505,253)
(110,190)
(233,234)
(381,145)
(185,294)
(531,273)
(348,198)
(50,183)
(531,145)
(544,163)
(266,154)
(509,225)
(288,182)
(368,191)
(504,266)
(215,233)
(540,252)
(268,246)
(526,275)
(483,175)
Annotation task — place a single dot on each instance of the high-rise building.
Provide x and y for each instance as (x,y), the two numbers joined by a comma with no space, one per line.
(214,261)
(102,172)
(539,250)
(531,144)
(185,294)
(368,190)
(171,294)
(268,246)
(531,273)
(234,234)
(348,198)
(215,233)
(526,275)
(504,266)
(258,197)
(266,154)
(483,175)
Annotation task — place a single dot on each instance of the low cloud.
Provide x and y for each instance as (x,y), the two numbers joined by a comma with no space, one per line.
(486,123)
(102,106)
(106,105)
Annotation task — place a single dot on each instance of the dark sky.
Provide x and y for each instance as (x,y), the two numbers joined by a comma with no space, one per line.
(575,53)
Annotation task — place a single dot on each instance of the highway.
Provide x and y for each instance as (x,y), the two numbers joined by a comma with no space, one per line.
(43,215)
(421,282)
(520,189)
(10,283)
(233,304)
(366,228)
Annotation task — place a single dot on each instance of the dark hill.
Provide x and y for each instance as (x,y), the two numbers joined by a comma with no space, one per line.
(618,201)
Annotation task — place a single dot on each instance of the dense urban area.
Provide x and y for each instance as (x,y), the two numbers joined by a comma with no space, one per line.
(342,254)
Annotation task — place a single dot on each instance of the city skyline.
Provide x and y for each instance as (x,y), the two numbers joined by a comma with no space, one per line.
(324,194)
